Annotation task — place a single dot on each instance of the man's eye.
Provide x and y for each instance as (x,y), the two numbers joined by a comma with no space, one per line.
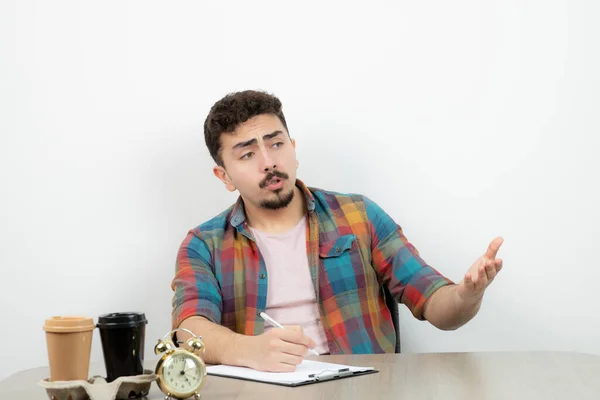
(247,156)
(278,144)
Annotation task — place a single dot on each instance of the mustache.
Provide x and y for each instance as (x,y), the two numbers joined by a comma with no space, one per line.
(271,175)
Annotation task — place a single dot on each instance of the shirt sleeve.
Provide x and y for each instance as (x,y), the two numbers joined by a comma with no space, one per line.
(398,264)
(196,291)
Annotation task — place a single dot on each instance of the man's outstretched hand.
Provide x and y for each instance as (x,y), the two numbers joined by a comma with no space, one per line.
(481,273)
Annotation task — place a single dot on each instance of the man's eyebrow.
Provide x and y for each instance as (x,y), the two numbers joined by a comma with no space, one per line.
(272,135)
(244,144)
(253,141)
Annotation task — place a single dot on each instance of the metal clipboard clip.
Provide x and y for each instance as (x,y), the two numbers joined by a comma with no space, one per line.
(329,374)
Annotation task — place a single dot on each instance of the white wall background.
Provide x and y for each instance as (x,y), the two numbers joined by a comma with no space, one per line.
(464,120)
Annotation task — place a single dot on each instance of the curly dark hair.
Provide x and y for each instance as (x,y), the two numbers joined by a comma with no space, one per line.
(234,109)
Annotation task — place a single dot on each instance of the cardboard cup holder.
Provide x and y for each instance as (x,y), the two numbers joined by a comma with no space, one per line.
(97,388)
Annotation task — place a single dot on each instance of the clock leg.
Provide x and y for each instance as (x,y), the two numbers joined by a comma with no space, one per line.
(196,396)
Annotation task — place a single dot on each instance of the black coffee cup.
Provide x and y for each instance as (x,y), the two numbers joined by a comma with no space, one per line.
(123,336)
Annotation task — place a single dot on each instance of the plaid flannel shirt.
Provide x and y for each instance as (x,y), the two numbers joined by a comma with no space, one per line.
(353,248)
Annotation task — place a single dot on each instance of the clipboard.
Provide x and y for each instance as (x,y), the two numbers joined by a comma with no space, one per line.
(308,372)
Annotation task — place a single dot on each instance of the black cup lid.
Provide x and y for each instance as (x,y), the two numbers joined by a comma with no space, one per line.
(121,320)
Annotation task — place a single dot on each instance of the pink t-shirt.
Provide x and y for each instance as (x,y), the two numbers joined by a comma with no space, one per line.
(291,296)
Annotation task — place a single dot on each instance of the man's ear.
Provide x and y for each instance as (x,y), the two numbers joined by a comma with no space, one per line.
(294,145)
(221,173)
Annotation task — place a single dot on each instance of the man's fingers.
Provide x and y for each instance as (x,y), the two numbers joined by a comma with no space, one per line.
(297,337)
(295,349)
(483,272)
(475,270)
(493,248)
(310,344)
(498,264)
(291,359)
(469,284)
(481,276)
(490,269)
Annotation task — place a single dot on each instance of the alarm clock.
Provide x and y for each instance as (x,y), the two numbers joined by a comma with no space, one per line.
(180,373)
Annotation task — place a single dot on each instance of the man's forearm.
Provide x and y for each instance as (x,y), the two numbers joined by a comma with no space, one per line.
(223,346)
(446,310)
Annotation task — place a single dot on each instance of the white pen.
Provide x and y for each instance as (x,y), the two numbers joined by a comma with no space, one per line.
(278,325)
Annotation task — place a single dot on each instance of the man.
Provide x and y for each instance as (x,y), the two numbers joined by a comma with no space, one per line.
(313,260)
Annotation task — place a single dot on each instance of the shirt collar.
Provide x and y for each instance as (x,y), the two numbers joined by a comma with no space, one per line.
(238,215)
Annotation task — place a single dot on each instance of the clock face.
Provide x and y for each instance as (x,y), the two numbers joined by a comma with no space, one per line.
(182,373)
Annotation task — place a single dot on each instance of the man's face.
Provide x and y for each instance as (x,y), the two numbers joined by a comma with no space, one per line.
(260,162)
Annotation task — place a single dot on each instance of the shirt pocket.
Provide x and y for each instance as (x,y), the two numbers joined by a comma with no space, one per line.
(341,265)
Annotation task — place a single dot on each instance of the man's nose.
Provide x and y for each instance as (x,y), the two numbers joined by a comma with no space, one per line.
(270,168)
(268,162)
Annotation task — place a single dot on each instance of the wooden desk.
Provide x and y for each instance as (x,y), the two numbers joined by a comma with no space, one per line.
(464,376)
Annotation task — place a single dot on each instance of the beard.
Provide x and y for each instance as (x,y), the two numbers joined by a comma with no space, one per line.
(282,200)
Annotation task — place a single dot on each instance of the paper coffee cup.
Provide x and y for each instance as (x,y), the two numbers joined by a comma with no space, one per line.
(69,343)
